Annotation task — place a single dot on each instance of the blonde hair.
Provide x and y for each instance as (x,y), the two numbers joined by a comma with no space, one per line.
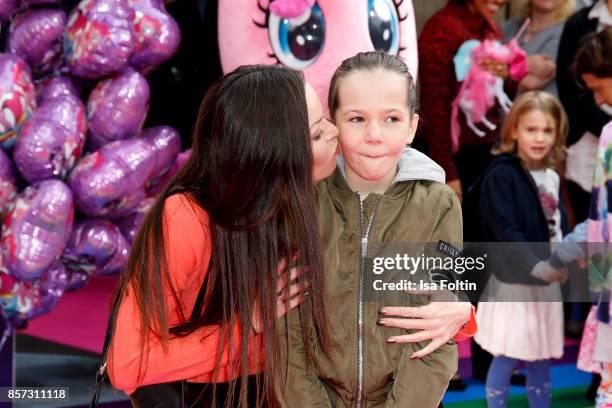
(565,10)
(529,102)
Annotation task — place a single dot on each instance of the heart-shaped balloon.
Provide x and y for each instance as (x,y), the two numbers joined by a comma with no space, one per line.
(37,36)
(96,246)
(98,39)
(52,140)
(117,108)
(110,182)
(157,35)
(37,228)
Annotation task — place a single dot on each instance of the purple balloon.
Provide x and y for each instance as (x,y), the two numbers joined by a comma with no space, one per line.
(157,35)
(110,182)
(96,247)
(130,225)
(53,87)
(37,229)
(17,97)
(167,144)
(51,141)
(7,8)
(20,301)
(36,36)
(157,186)
(98,39)
(77,280)
(117,108)
(8,190)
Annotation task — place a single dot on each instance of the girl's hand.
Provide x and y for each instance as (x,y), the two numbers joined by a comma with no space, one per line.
(438,321)
(496,68)
(546,272)
(288,294)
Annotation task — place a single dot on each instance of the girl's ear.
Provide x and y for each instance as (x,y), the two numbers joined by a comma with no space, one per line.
(414,124)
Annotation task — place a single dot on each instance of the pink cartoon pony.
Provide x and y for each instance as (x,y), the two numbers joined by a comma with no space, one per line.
(480,89)
(314,36)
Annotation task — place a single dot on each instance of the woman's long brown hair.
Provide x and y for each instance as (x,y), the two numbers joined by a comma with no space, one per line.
(250,170)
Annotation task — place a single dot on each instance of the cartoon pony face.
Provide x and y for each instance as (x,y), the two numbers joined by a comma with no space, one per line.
(314,36)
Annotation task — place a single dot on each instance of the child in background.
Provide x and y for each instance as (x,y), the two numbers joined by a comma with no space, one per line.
(381,192)
(519,202)
(593,65)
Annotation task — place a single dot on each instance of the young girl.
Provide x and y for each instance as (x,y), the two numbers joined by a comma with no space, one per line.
(520,207)
(208,272)
(381,192)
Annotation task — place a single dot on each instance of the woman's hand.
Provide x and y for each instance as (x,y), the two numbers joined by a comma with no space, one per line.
(541,66)
(496,68)
(456,186)
(531,82)
(437,321)
(288,294)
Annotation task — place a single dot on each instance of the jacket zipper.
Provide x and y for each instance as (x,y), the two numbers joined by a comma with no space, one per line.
(360,321)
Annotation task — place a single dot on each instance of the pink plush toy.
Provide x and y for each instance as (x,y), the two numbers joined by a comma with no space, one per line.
(480,89)
(313,36)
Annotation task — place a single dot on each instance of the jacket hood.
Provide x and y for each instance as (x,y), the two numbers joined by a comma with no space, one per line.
(413,165)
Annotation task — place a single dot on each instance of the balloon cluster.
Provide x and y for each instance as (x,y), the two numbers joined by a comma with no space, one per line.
(77,171)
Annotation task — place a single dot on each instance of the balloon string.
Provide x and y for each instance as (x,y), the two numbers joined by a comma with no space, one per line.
(5,335)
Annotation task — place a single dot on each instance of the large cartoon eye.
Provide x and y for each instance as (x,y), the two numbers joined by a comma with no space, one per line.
(297,42)
(383,23)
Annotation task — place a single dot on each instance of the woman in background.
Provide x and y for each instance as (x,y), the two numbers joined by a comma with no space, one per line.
(540,40)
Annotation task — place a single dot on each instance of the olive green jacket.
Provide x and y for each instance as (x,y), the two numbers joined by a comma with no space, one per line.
(366,371)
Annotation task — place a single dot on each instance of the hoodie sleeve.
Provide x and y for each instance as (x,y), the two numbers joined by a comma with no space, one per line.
(421,383)
(302,385)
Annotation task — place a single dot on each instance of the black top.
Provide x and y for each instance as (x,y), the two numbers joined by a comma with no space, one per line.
(582,111)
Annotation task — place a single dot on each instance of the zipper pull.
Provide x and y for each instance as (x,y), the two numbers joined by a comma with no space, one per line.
(364,246)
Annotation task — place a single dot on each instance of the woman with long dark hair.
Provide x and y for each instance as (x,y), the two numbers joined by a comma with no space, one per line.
(214,264)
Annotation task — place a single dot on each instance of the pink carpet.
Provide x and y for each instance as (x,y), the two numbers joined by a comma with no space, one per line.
(80,318)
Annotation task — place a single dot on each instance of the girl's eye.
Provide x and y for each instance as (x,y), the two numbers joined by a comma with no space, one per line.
(297,42)
(392,119)
(317,136)
(383,23)
(356,119)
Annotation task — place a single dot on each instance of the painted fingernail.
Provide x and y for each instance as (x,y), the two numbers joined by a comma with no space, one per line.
(391,340)
(382,311)
(415,357)
(381,322)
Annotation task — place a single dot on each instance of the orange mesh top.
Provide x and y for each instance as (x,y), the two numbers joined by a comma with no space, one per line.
(193,357)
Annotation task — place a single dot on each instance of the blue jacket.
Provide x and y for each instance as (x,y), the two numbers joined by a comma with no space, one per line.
(511,212)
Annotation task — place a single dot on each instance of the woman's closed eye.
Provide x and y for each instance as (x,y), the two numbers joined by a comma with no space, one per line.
(318,135)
